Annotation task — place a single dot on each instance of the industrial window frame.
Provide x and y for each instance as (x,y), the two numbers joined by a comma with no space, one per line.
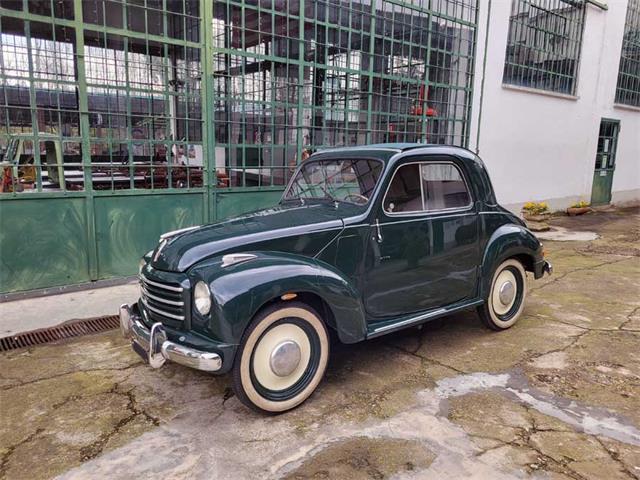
(628,84)
(544,44)
(423,94)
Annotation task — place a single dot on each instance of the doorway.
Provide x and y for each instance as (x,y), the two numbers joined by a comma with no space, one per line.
(605,161)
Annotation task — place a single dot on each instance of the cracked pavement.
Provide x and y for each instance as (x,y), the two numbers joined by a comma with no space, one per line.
(556,396)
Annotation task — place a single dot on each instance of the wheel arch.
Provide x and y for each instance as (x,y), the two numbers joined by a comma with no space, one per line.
(312,299)
(240,292)
(508,241)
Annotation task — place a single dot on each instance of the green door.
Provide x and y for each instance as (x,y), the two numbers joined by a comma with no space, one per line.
(605,161)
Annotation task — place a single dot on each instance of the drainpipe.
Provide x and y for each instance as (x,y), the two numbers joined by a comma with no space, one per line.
(484,71)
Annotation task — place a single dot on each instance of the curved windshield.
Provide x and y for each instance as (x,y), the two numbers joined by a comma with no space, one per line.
(350,180)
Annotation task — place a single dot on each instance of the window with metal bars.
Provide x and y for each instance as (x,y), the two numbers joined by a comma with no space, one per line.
(291,77)
(628,86)
(116,95)
(544,43)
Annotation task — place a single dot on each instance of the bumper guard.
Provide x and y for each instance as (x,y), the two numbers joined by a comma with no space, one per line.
(153,345)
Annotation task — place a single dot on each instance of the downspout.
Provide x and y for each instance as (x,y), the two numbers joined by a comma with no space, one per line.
(484,71)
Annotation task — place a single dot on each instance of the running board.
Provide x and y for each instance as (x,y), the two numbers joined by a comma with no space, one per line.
(407,321)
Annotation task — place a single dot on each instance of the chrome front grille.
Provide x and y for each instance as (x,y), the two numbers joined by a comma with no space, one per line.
(164,302)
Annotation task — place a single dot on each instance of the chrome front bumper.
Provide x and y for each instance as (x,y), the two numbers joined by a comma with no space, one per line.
(154,347)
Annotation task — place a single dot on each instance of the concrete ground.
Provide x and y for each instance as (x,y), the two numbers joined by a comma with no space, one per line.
(557,396)
(24,315)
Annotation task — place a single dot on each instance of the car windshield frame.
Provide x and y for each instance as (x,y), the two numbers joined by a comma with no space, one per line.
(327,186)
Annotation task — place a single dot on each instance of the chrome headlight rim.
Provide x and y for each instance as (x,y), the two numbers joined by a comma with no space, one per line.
(141,265)
(202,298)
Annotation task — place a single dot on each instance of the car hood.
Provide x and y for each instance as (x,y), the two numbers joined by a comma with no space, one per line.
(303,229)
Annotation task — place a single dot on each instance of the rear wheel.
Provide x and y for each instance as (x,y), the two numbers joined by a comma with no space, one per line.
(505,301)
(282,358)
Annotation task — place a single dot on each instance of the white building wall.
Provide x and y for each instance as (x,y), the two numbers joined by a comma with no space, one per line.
(540,145)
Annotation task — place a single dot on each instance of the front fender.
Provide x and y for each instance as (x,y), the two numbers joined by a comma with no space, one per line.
(507,241)
(240,291)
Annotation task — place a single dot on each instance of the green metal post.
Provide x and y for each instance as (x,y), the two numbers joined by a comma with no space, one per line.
(208,112)
(83,103)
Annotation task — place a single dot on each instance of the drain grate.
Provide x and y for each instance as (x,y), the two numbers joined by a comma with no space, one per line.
(67,330)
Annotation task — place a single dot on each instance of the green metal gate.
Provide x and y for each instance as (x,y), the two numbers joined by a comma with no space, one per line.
(605,161)
(172,113)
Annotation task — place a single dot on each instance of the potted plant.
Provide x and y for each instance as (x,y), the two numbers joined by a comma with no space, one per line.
(536,211)
(579,208)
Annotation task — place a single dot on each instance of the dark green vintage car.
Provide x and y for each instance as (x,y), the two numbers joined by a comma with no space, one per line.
(365,241)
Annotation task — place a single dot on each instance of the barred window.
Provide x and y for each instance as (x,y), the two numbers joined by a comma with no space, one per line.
(544,42)
(628,87)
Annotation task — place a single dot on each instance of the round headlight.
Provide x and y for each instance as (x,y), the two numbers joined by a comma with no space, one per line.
(141,266)
(202,298)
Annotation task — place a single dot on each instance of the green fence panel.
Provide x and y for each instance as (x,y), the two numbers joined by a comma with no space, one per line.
(230,204)
(129,226)
(42,243)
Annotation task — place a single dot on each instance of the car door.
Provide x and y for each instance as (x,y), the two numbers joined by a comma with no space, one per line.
(423,250)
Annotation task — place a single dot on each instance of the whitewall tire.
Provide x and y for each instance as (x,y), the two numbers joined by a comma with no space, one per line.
(282,358)
(504,303)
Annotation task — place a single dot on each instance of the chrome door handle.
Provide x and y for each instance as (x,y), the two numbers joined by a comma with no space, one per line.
(378,232)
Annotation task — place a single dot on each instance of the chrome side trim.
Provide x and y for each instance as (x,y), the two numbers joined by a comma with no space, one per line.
(161,312)
(158,299)
(423,317)
(161,285)
(233,258)
(409,321)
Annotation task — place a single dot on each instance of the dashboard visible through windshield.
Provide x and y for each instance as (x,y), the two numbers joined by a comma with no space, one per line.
(340,180)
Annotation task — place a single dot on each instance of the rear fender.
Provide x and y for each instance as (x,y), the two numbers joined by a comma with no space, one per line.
(507,241)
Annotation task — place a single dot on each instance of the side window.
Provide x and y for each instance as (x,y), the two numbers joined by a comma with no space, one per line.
(444,186)
(404,193)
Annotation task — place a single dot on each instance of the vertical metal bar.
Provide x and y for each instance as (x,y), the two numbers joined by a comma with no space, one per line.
(300,89)
(83,103)
(469,97)
(208,111)
(35,129)
(372,46)
(427,72)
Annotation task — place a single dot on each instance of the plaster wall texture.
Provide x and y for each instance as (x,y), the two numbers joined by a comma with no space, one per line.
(542,146)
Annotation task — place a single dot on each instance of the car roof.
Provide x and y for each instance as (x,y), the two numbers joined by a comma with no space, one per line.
(387,151)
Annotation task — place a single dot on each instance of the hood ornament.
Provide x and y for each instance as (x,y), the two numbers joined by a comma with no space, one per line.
(165,237)
(173,233)
(163,244)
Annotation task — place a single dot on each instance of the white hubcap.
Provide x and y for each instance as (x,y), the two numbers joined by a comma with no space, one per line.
(281,357)
(504,292)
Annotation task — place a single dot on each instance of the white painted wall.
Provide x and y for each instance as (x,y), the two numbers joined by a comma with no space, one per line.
(540,146)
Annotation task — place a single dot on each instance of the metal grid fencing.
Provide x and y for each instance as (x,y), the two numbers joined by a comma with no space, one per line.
(109,96)
(544,44)
(292,77)
(628,86)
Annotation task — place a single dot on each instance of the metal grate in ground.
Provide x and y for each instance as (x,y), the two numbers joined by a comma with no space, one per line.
(68,330)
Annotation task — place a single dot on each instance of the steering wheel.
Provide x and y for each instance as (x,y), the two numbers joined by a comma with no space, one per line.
(360,199)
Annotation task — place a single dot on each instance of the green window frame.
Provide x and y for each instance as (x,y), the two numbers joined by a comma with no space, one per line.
(174,96)
(628,85)
(544,44)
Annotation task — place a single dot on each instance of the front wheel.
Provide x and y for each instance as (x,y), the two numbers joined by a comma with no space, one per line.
(282,358)
(505,301)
